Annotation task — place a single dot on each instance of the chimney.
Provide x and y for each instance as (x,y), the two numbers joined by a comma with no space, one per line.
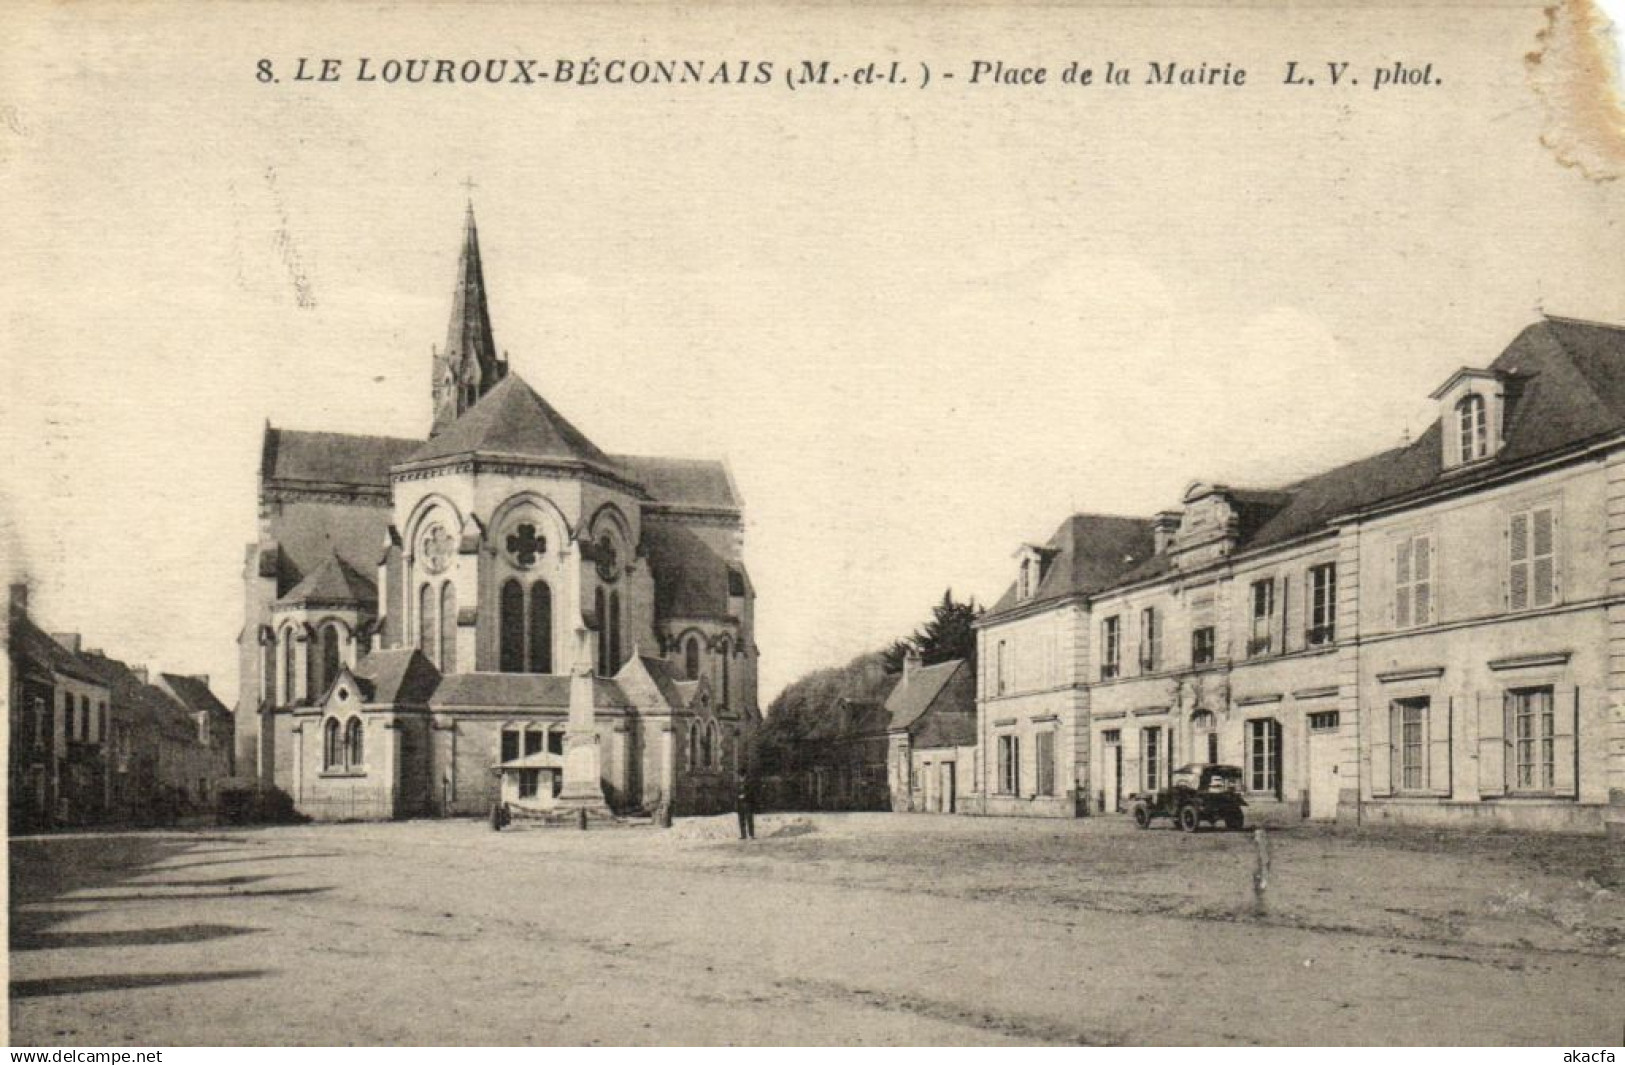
(69,640)
(19,598)
(140,673)
(911,664)
(1163,528)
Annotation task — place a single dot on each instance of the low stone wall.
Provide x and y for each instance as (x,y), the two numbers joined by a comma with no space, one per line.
(1522,816)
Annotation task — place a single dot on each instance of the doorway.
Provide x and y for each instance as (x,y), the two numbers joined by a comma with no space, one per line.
(1323,775)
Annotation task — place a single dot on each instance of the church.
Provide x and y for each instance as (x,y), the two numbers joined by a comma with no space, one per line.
(499,613)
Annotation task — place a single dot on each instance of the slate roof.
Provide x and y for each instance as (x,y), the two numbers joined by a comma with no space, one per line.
(400,676)
(691,579)
(296,457)
(146,704)
(193,693)
(1565,383)
(539,760)
(519,691)
(1091,552)
(511,419)
(702,483)
(334,581)
(32,648)
(918,694)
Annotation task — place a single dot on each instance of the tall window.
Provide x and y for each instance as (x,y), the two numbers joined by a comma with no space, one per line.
(1026,589)
(84,719)
(428,635)
(535,740)
(1413,581)
(1472,428)
(539,637)
(332,745)
(448,627)
(1322,604)
(1111,647)
(1532,557)
(1410,739)
(1009,765)
(290,663)
(268,671)
(1203,645)
(1264,756)
(615,655)
(1262,637)
(691,658)
(1204,735)
(599,609)
(1534,735)
(511,627)
(510,744)
(328,671)
(725,653)
(353,741)
(1001,681)
(1045,750)
(1150,640)
(1151,756)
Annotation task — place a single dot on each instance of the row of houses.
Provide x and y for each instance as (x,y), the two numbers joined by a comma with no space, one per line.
(94,740)
(1434,634)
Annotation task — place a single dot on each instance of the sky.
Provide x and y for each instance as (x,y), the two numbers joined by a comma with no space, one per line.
(922,325)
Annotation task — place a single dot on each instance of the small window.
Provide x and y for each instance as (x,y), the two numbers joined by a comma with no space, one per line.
(555,741)
(534,740)
(1112,737)
(332,745)
(1532,558)
(691,658)
(1264,756)
(1413,581)
(1001,670)
(1150,640)
(1009,765)
(1111,647)
(1472,428)
(354,738)
(510,744)
(530,781)
(1324,721)
(1204,645)
(1262,638)
(1322,605)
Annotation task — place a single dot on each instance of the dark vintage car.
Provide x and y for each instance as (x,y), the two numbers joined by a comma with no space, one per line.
(1197,793)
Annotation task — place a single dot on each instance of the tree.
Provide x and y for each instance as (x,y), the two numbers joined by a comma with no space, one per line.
(948,635)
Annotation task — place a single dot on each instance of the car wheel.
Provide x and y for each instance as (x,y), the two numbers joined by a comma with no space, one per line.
(1189,818)
(1142,817)
(1233,821)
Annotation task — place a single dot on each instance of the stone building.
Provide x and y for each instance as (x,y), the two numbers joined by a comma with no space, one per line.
(1425,635)
(424,615)
(931,737)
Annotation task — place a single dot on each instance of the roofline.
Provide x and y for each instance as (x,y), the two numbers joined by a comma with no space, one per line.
(403,470)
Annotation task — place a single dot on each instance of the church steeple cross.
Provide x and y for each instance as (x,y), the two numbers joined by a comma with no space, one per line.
(524,545)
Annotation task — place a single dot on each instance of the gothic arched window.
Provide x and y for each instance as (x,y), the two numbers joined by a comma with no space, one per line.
(353,740)
(691,658)
(332,750)
(426,627)
(723,652)
(541,628)
(1472,424)
(268,671)
(448,627)
(328,669)
(290,667)
(694,745)
(603,631)
(707,744)
(615,653)
(511,628)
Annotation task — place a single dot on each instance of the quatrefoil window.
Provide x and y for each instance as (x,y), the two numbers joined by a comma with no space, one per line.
(438,547)
(525,546)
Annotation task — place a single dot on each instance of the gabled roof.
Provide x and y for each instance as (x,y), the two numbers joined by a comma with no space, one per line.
(146,704)
(512,420)
(333,583)
(1090,552)
(700,483)
(397,677)
(193,693)
(657,673)
(294,457)
(691,579)
(32,647)
(919,692)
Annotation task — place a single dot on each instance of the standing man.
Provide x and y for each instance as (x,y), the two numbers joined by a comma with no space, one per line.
(745,806)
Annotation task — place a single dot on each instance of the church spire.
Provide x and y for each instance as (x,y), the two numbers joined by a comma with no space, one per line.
(469,365)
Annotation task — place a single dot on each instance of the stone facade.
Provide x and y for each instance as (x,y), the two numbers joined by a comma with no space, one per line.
(1431,635)
(412,605)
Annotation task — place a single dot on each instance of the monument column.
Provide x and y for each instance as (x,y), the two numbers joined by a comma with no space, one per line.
(582,787)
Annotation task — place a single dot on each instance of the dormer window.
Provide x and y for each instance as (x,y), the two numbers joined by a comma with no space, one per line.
(1026,579)
(1472,424)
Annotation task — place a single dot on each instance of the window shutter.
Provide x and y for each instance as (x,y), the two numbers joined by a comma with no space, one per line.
(1402,584)
(1518,562)
(1285,600)
(1438,735)
(1382,751)
(1565,714)
(1492,743)
(1543,577)
(1423,563)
